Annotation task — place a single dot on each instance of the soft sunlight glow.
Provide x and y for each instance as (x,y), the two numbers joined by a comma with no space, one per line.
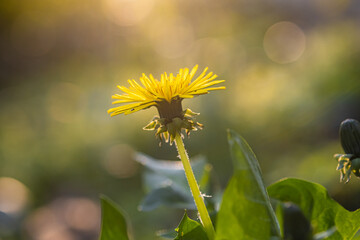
(127,12)
(173,38)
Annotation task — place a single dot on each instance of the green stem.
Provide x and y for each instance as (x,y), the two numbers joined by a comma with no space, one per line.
(199,201)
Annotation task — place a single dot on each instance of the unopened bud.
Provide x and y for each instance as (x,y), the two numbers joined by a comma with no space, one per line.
(350,136)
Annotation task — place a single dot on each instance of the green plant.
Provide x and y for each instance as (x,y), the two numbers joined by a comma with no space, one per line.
(288,209)
(247,203)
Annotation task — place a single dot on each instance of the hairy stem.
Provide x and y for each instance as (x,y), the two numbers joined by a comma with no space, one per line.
(199,201)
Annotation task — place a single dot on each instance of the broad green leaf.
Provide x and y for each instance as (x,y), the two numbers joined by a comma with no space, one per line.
(166,196)
(245,211)
(327,217)
(189,229)
(169,171)
(166,182)
(113,224)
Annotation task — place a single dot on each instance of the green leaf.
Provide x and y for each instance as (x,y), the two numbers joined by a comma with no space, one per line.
(245,212)
(166,196)
(189,229)
(279,212)
(324,213)
(113,225)
(166,182)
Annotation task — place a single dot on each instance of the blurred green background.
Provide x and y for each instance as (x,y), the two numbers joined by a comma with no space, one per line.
(292,71)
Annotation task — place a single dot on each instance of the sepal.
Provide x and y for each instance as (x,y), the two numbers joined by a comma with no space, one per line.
(166,130)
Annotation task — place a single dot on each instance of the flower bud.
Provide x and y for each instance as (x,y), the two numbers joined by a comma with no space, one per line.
(350,136)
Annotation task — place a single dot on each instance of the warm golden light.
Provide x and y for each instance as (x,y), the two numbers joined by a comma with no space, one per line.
(172,38)
(127,12)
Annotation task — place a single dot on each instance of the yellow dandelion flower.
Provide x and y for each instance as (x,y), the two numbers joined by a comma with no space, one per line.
(166,95)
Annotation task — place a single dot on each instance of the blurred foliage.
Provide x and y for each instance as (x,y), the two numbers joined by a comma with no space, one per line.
(303,209)
(292,76)
(166,183)
(328,219)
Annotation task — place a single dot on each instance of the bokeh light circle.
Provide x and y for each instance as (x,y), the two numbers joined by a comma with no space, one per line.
(284,42)
(65,218)
(79,213)
(14,196)
(43,224)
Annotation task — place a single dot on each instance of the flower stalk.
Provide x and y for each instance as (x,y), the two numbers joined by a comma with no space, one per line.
(198,198)
(166,95)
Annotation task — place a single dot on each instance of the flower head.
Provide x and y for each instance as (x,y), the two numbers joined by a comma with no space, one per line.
(166,95)
(350,141)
